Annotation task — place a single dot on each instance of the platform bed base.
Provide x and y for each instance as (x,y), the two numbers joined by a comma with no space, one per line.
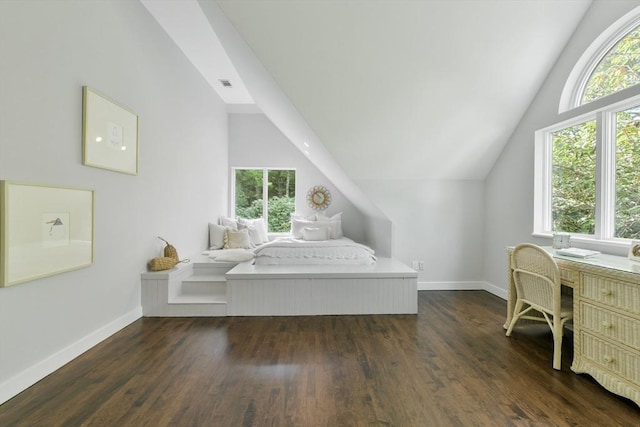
(388,287)
(266,290)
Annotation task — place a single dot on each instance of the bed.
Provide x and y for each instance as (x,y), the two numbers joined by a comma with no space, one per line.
(314,270)
(316,240)
(291,251)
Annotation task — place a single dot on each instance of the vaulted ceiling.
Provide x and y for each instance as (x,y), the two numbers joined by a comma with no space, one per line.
(409,89)
(393,89)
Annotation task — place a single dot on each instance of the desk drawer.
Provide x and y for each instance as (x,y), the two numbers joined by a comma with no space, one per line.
(611,325)
(614,359)
(611,292)
(568,276)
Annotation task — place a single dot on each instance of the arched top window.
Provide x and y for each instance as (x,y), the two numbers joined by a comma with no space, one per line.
(609,65)
(619,69)
(587,167)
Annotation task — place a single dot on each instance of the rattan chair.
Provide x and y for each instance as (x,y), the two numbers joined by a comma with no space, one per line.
(537,281)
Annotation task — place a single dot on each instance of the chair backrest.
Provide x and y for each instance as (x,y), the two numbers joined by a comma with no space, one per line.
(536,276)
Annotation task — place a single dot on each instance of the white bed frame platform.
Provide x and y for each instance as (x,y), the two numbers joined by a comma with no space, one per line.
(204,287)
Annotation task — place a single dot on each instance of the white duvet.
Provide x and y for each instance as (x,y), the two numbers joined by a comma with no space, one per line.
(287,250)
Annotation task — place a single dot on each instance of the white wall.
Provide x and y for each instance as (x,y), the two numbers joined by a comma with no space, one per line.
(49,50)
(255,142)
(436,221)
(509,186)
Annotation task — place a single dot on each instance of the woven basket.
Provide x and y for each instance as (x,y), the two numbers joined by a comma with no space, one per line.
(170,251)
(162,263)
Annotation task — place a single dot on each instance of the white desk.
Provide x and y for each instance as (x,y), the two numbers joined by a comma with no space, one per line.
(606,323)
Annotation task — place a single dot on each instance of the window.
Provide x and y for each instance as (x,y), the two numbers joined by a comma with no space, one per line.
(573,167)
(617,70)
(611,64)
(587,169)
(588,174)
(627,220)
(265,193)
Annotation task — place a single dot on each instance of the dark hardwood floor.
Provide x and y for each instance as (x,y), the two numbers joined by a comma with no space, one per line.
(451,365)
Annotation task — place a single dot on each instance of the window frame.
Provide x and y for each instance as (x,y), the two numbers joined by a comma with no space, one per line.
(576,83)
(265,192)
(605,188)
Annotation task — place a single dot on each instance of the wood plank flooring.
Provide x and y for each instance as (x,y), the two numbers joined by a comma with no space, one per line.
(450,365)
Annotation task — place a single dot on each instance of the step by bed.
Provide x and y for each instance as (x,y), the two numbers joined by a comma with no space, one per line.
(189,289)
(201,289)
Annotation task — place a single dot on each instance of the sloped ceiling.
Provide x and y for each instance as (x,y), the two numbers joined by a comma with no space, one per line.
(409,89)
(379,90)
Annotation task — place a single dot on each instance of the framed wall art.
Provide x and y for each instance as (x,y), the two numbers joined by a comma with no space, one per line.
(44,230)
(110,134)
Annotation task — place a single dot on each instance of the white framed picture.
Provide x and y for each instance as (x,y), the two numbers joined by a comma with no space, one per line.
(110,134)
(44,230)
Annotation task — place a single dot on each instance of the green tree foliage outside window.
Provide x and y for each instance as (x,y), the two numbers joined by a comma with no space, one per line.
(627,222)
(574,179)
(574,154)
(249,193)
(281,201)
(618,69)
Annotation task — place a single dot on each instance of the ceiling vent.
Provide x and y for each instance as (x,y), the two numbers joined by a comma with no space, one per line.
(225,83)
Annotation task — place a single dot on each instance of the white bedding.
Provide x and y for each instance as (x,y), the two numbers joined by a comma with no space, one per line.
(289,251)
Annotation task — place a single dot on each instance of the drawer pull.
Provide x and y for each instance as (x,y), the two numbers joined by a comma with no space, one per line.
(608,359)
(607,325)
(606,292)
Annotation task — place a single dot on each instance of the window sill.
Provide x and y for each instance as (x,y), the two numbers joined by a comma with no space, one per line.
(614,247)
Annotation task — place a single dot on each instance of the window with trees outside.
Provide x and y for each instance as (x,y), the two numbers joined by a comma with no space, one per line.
(588,168)
(617,70)
(265,193)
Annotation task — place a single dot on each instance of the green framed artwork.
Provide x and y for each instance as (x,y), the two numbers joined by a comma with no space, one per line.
(44,230)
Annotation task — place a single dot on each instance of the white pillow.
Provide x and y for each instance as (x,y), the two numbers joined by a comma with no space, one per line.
(231,223)
(334,222)
(259,226)
(334,226)
(216,236)
(312,217)
(336,217)
(297,225)
(254,236)
(316,234)
(336,229)
(237,240)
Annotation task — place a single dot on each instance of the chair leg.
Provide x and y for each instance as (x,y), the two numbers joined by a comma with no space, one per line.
(516,316)
(557,344)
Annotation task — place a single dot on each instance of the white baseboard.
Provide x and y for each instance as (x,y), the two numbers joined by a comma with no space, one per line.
(35,373)
(495,290)
(463,286)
